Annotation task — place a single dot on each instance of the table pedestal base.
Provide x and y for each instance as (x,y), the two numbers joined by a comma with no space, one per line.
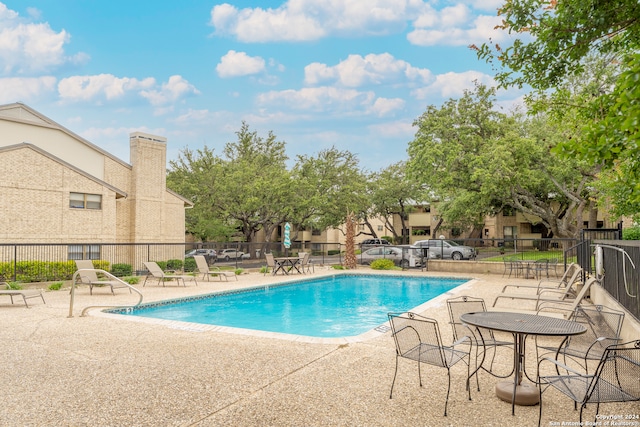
(526,394)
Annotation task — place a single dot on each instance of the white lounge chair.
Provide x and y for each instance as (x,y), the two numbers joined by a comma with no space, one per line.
(205,270)
(87,274)
(24,293)
(155,271)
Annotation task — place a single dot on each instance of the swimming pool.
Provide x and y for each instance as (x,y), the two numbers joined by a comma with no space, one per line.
(328,307)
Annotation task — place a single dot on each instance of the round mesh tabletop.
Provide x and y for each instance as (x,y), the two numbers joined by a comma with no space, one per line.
(519,323)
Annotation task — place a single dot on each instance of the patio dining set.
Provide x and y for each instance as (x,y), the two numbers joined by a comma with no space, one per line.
(578,348)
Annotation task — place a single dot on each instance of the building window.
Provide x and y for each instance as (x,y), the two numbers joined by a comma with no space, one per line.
(85,201)
(316,232)
(84,252)
(421,231)
(380,228)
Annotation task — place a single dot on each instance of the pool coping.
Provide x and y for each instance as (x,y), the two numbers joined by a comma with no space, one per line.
(378,331)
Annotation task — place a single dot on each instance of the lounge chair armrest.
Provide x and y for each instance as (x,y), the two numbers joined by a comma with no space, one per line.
(543,292)
(555,305)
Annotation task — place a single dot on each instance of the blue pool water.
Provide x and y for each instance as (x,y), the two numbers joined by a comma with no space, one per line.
(329,307)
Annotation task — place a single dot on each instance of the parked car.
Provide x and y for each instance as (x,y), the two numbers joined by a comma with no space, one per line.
(447,249)
(367,243)
(228,254)
(205,252)
(412,256)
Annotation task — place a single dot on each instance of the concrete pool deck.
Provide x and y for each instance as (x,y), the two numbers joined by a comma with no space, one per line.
(102,371)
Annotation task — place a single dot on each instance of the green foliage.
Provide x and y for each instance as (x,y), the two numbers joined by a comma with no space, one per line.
(333,252)
(190,265)
(238,271)
(16,286)
(55,286)
(383,264)
(38,271)
(477,161)
(132,280)
(264,269)
(337,267)
(557,39)
(175,264)
(632,233)
(121,270)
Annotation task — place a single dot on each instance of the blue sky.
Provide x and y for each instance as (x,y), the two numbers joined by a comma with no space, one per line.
(353,74)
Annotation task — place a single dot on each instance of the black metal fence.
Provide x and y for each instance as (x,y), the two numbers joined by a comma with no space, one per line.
(37,262)
(621,279)
(40,262)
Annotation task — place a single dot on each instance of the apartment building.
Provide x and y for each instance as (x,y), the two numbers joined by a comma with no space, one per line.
(57,187)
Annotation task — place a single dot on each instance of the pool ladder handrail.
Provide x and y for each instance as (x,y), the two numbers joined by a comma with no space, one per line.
(111,277)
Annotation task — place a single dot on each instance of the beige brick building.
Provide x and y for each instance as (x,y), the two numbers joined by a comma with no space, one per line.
(57,187)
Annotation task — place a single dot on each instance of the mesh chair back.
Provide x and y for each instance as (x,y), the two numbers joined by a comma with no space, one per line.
(461,305)
(418,338)
(603,329)
(617,378)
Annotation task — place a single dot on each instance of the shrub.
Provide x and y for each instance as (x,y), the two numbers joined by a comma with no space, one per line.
(190,264)
(264,269)
(133,280)
(333,252)
(338,267)
(55,286)
(14,285)
(238,271)
(632,233)
(121,270)
(383,264)
(175,264)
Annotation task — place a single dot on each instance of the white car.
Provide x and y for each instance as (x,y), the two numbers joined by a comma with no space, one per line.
(446,249)
(228,254)
(405,258)
(206,252)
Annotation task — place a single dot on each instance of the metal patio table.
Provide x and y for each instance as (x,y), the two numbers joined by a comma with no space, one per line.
(287,265)
(520,326)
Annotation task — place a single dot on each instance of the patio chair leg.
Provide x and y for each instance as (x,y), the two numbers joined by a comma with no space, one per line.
(394,378)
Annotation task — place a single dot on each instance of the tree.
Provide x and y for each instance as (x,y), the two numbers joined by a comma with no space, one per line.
(394,193)
(255,184)
(477,161)
(350,260)
(554,39)
(247,191)
(195,175)
(327,185)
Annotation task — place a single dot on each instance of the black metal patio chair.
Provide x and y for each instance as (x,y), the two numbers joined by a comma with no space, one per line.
(418,338)
(616,379)
(485,338)
(603,329)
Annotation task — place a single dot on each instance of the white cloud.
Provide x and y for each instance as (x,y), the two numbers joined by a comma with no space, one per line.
(454,26)
(304,20)
(100,87)
(235,64)
(176,88)
(300,20)
(385,106)
(25,89)
(317,99)
(357,71)
(331,100)
(31,48)
(451,85)
(107,87)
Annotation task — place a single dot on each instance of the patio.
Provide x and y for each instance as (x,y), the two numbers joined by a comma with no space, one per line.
(96,371)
